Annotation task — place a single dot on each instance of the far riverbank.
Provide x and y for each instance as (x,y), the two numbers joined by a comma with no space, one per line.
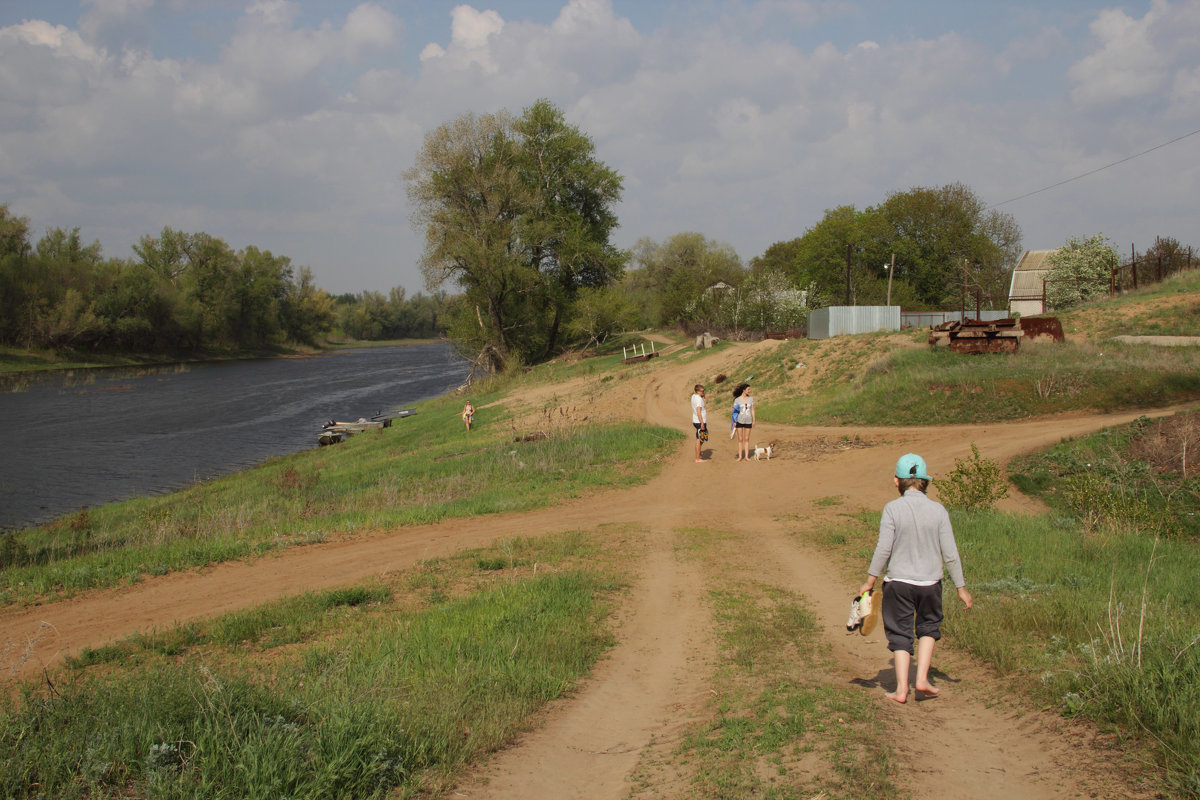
(22,360)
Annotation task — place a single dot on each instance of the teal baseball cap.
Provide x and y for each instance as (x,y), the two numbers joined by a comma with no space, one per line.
(912,465)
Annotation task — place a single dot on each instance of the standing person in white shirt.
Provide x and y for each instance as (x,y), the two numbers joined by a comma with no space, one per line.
(699,420)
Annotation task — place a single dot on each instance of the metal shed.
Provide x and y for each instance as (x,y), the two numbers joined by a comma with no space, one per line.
(830,321)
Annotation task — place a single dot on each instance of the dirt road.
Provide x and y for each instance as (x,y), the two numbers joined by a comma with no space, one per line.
(653,682)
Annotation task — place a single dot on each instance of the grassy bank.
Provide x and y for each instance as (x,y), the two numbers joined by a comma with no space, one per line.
(423,469)
(897,379)
(1092,609)
(871,383)
(369,691)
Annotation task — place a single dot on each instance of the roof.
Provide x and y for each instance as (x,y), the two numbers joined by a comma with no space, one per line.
(1034,260)
(1029,273)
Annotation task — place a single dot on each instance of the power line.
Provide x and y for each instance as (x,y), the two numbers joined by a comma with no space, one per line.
(1094,171)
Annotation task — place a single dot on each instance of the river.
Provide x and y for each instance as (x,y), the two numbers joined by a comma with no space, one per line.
(83,438)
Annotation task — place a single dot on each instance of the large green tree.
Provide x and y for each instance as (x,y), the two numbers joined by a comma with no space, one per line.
(565,233)
(947,246)
(517,212)
(947,243)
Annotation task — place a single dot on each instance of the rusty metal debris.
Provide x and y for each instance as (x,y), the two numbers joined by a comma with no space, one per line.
(995,336)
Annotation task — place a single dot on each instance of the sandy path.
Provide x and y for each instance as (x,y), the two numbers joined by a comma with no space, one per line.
(653,681)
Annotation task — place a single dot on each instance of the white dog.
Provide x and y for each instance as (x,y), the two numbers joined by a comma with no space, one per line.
(760,452)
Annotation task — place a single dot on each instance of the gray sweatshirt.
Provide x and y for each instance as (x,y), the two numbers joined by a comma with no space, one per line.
(915,539)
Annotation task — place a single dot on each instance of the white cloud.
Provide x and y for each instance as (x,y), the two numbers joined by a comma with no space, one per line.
(470,35)
(1150,59)
(1126,63)
(744,125)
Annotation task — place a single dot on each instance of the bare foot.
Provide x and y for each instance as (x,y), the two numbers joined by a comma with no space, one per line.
(701,461)
(928,691)
(899,698)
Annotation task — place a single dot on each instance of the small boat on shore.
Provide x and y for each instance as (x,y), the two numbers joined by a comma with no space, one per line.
(333,432)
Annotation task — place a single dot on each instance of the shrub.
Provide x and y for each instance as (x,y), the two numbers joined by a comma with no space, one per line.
(975,484)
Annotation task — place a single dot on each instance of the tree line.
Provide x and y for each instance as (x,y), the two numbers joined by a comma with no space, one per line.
(518,215)
(181,293)
(518,212)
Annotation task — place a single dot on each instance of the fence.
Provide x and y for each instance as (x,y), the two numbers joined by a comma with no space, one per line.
(925,319)
(1151,267)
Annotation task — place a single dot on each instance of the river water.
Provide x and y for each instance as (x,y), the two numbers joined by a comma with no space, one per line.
(88,437)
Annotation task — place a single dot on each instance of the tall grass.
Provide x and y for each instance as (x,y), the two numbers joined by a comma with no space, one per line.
(1138,473)
(379,695)
(423,469)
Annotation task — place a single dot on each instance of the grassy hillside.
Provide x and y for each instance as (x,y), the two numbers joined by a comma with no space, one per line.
(893,379)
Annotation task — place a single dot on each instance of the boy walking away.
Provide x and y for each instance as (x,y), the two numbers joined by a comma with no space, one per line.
(699,420)
(915,540)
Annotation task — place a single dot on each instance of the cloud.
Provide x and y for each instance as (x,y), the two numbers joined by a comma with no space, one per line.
(741,120)
(1148,59)
(470,31)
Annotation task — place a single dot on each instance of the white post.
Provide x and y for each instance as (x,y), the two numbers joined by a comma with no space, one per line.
(891,269)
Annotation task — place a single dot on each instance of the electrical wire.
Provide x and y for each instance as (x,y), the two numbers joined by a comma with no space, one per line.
(1094,171)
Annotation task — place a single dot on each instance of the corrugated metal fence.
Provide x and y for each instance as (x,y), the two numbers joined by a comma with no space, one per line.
(924,319)
(830,321)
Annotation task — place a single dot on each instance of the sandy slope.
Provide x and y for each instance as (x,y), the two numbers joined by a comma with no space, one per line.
(653,682)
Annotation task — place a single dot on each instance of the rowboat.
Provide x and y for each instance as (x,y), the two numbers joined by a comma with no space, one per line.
(333,432)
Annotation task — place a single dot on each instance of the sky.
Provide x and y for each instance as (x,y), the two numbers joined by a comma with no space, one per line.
(287,125)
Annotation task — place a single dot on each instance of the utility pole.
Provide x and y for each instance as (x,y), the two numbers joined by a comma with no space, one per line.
(964,293)
(891,271)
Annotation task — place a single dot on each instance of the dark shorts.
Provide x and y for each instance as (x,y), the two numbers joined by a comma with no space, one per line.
(908,608)
(697,425)
(745,424)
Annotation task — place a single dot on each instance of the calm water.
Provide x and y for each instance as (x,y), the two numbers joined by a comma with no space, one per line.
(94,436)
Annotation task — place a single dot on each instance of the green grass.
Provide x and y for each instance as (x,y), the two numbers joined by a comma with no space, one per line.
(1132,473)
(1102,626)
(388,691)
(423,469)
(925,386)
(1130,314)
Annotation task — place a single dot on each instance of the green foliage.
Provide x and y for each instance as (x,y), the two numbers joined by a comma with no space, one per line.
(369,316)
(1135,476)
(601,312)
(671,281)
(377,698)
(931,232)
(975,483)
(183,292)
(1080,270)
(517,212)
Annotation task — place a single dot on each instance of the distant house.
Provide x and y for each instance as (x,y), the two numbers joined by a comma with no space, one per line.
(720,286)
(1027,292)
